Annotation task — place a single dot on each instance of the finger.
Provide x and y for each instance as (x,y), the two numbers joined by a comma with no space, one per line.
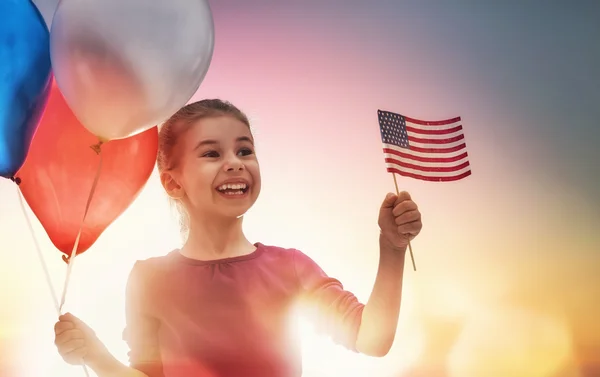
(68,317)
(71,346)
(67,336)
(77,323)
(75,357)
(404,206)
(408,217)
(412,228)
(389,201)
(62,326)
(75,320)
(403,195)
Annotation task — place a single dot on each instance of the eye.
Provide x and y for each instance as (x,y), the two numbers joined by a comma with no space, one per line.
(211,154)
(245,152)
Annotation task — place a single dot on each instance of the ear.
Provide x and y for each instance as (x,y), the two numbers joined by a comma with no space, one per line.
(171,186)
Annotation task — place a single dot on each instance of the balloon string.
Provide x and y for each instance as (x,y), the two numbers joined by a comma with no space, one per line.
(39,252)
(73,255)
(43,263)
(71,259)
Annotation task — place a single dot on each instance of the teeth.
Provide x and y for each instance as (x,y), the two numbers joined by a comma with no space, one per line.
(233,192)
(232,186)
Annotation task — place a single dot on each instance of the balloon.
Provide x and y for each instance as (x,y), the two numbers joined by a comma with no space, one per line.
(24,80)
(46,8)
(60,169)
(125,66)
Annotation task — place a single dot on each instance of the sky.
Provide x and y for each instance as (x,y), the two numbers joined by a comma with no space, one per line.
(507,279)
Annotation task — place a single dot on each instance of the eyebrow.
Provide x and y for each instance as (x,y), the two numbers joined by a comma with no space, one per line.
(214,142)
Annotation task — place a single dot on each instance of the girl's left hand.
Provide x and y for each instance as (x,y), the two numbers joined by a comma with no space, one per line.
(399,219)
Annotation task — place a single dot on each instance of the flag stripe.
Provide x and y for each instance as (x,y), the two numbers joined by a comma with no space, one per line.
(425,168)
(431,178)
(403,152)
(432,123)
(441,128)
(433,130)
(438,135)
(413,140)
(426,161)
(439,150)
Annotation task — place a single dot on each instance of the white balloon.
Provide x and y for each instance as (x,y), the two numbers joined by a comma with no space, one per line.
(126,65)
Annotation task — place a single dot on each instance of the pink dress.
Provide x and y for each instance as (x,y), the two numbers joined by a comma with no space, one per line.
(231,317)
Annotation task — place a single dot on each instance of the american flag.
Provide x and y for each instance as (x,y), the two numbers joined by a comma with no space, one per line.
(429,151)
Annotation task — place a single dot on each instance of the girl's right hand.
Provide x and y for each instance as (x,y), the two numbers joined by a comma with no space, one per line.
(76,341)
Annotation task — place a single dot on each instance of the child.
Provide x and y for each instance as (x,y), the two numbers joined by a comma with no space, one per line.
(219,306)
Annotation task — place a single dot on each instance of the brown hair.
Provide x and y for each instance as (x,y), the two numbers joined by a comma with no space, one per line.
(177,124)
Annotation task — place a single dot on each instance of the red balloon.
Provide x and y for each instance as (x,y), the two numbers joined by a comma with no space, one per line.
(59,171)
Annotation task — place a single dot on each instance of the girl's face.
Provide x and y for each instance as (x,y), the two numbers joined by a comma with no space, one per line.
(218,172)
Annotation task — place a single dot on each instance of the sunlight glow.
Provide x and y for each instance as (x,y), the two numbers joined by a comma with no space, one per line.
(513,343)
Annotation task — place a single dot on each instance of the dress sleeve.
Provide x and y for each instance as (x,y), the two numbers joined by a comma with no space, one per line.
(141,331)
(332,309)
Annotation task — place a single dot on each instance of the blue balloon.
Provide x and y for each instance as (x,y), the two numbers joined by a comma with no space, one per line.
(25,78)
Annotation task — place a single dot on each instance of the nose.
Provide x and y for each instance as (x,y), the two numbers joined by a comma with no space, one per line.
(234,164)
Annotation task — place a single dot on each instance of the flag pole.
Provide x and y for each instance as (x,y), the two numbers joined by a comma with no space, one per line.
(412,257)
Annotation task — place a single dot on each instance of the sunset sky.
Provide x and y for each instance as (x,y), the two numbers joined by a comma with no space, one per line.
(508,262)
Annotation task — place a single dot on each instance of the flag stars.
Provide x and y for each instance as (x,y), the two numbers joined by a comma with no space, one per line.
(393,129)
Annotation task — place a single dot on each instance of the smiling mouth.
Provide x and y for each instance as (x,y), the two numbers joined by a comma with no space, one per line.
(233,189)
